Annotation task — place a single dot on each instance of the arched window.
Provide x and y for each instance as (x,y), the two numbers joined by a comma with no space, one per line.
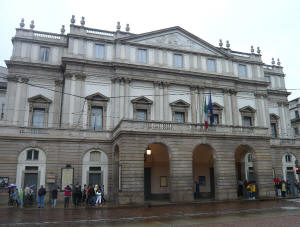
(95,156)
(288,158)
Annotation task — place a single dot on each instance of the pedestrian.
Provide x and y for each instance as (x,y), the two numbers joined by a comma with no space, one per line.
(240,188)
(21,197)
(77,194)
(54,197)
(98,197)
(283,188)
(253,190)
(41,197)
(249,191)
(16,197)
(102,194)
(67,195)
(84,193)
(288,188)
(92,196)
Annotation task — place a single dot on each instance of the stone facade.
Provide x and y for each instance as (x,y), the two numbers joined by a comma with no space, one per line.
(93,101)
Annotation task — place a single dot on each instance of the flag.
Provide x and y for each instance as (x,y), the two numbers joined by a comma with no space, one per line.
(205,113)
(210,107)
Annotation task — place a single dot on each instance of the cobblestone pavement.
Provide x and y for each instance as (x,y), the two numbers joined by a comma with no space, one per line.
(239,213)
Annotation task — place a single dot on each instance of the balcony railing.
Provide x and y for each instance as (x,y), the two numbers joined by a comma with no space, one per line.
(187,128)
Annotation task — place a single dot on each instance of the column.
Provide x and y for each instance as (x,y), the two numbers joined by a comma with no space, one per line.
(165,101)
(227,107)
(112,103)
(11,92)
(126,98)
(266,111)
(156,100)
(282,119)
(235,115)
(122,98)
(66,100)
(21,108)
(17,102)
(193,104)
(258,109)
(161,103)
(72,101)
(117,101)
(78,101)
(200,98)
(57,103)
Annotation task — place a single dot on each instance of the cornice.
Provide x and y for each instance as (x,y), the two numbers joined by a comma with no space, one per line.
(12,63)
(39,41)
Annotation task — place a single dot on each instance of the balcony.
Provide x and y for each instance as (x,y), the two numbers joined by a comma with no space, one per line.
(187,128)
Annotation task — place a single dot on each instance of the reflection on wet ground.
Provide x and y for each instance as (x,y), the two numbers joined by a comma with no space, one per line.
(213,214)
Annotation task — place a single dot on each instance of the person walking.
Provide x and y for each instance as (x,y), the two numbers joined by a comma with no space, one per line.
(54,197)
(98,197)
(67,195)
(41,197)
(16,197)
(253,190)
(21,197)
(249,192)
(283,188)
(102,194)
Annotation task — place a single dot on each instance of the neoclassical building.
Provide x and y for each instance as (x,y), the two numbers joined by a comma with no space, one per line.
(127,111)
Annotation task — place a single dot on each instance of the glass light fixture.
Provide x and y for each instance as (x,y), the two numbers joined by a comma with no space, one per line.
(148,150)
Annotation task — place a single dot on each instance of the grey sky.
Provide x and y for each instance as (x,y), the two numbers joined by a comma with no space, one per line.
(272,25)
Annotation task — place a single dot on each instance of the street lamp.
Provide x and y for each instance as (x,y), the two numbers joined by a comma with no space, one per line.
(148,150)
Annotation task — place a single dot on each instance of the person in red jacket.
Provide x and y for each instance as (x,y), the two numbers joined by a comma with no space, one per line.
(67,195)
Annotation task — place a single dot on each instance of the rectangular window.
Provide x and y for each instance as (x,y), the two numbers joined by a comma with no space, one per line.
(95,156)
(296,131)
(142,56)
(141,114)
(178,60)
(96,118)
(247,121)
(273,130)
(268,79)
(38,118)
(44,54)
(29,155)
(296,114)
(35,155)
(211,65)
(242,70)
(99,51)
(216,119)
(179,117)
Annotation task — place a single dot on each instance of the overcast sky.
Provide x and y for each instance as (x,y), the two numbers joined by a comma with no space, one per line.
(273,25)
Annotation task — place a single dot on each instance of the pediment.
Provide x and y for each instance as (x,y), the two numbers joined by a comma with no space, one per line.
(97,97)
(274,117)
(247,109)
(175,38)
(142,100)
(39,99)
(180,103)
(217,106)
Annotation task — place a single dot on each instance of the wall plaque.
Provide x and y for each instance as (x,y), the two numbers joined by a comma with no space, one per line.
(67,175)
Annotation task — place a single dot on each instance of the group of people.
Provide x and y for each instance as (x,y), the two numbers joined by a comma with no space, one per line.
(15,197)
(92,195)
(284,188)
(248,187)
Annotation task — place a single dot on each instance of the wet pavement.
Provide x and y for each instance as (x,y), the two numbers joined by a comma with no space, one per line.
(238,213)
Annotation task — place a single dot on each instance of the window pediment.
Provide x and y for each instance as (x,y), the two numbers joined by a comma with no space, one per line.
(274,117)
(180,103)
(39,99)
(142,100)
(247,109)
(217,106)
(97,97)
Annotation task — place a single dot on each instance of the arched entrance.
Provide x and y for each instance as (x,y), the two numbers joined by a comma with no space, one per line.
(31,168)
(203,172)
(95,169)
(244,165)
(156,172)
(289,172)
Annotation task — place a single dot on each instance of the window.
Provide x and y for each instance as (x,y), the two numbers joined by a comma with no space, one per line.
(141,114)
(32,155)
(296,131)
(99,51)
(142,56)
(273,130)
(216,119)
(44,54)
(242,70)
(211,65)
(249,158)
(95,156)
(95,168)
(296,114)
(268,79)
(288,158)
(247,121)
(179,117)
(38,117)
(2,111)
(96,118)
(178,60)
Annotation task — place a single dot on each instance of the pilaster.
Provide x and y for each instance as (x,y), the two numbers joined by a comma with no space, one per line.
(235,116)
(200,98)
(165,101)
(193,104)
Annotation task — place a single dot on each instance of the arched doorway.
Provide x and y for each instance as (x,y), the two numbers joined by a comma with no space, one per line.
(203,172)
(244,165)
(156,172)
(95,169)
(289,172)
(31,168)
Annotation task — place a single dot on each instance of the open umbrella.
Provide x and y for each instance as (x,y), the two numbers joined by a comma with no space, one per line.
(11,186)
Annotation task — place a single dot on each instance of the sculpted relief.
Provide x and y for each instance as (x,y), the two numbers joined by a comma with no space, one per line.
(176,40)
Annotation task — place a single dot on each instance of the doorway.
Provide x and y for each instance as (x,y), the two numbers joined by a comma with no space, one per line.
(31,180)
(147,183)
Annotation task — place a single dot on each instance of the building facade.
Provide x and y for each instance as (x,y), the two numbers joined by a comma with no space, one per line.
(128,111)
(294,106)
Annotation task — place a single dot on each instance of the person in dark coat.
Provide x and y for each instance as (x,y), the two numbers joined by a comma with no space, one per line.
(54,197)
(41,197)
